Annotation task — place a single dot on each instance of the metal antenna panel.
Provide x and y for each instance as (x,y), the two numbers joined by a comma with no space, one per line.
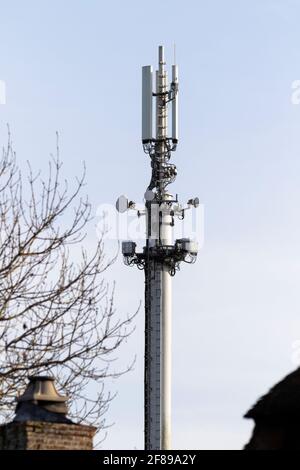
(147,105)
(175,104)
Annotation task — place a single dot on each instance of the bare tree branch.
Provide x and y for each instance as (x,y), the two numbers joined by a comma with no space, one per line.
(57,316)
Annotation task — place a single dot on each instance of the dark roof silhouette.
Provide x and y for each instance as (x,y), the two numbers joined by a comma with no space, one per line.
(282,401)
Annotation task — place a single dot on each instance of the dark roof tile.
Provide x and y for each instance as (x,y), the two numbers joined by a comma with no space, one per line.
(282,401)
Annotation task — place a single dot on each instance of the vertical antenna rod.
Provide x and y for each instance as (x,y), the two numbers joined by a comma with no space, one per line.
(160,257)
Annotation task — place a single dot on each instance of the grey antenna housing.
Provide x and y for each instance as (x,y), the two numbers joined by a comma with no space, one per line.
(149,195)
(175,103)
(147,105)
(122,204)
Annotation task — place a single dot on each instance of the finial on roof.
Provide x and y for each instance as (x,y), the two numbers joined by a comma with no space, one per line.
(41,401)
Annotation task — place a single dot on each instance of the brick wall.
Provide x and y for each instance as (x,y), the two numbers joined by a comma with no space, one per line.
(35,435)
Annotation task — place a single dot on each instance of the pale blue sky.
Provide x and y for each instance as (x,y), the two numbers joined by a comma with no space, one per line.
(74,66)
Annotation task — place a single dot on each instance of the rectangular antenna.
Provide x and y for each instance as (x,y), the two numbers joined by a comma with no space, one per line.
(2,92)
(175,104)
(147,118)
(157,90)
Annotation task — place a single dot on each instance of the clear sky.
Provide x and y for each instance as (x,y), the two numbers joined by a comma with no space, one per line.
(75,66)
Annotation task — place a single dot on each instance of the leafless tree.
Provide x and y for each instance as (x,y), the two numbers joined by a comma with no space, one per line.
(57,316)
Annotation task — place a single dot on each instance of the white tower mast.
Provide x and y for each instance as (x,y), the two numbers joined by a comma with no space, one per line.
(161,256)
